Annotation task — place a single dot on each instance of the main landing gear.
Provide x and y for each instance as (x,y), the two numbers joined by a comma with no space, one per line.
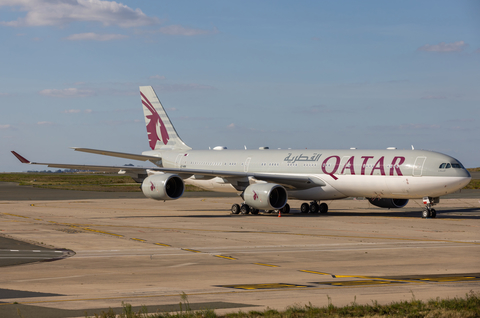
(246,209)
(243,209)
(314,207)
(428,210)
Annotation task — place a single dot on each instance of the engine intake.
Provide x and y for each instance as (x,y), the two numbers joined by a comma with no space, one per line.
(388,203)
(163,186)
(265,196)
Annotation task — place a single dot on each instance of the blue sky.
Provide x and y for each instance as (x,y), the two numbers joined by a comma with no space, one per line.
(284,74)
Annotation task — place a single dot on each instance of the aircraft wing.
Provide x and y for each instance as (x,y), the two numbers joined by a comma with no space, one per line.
(291,181)
(114,169)
(119,154)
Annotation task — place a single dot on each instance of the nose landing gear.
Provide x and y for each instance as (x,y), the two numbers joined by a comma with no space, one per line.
(428,210)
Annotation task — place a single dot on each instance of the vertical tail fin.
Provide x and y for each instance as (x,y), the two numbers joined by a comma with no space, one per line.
(161,133)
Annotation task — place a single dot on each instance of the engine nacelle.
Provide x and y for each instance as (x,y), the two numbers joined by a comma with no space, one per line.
(265,196)
(163,186)
(388,203)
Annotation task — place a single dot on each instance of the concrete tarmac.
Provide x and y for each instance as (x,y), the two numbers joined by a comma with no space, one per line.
(145,252)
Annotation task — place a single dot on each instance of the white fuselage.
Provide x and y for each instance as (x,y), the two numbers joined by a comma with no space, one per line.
(401,174)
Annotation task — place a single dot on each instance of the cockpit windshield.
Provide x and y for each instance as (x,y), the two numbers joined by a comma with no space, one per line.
(448,165)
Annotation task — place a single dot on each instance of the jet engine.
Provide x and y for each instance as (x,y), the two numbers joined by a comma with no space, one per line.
(388,203)
(265,196)
(163,186)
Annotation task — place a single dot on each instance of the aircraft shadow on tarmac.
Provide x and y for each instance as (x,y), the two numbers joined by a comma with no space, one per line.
(458,213)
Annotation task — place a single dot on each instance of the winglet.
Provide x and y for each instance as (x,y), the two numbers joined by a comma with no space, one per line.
(22,159)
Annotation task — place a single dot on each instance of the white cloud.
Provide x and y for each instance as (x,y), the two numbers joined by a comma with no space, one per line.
(159,77)
(231,126)
(95,37)
(44,123)
(408,127)
(4,94)
(183,87)
(419,126)
(8,126)
(63,12)
(319,109)
(180,30)
(444,47)
(77,111)
(67,92)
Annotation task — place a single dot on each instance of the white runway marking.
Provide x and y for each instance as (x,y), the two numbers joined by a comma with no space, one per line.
(181,265)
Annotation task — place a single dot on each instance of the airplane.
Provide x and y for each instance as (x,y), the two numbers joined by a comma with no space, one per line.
(266,178)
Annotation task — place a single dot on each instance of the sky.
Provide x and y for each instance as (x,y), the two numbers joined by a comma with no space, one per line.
(283,74)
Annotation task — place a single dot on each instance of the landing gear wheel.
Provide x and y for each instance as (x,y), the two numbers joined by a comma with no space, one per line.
(314,207)
(254,211)
(425,213)
(304,208)
(285,209)
(323,207)
(235,209)
(245,209)
(433,213)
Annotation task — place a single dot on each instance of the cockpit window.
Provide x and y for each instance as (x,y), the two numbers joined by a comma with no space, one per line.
(456,165)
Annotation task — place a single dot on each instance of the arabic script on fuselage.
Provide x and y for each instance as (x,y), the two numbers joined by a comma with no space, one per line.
(301,157)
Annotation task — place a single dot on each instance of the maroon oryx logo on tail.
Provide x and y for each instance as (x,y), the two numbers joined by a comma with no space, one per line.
(154,125)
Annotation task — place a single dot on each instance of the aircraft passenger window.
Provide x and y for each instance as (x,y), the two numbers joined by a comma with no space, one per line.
(448,166)
(442,166)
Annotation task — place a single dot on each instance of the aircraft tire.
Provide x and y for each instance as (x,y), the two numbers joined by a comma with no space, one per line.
(304,208)
(323,208)
(254,211)
(235,209)
(425,213)
(285,209)
(245,209)
(314,207)
(433,213)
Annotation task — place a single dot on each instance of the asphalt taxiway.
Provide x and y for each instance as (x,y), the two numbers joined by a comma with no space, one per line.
(145,252)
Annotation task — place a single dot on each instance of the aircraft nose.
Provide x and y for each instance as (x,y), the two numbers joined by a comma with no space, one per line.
(464,173)
(465,176)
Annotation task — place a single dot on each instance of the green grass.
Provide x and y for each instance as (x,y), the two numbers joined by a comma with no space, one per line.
(80,182)
(474,184)
(74,181)
(467,307)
